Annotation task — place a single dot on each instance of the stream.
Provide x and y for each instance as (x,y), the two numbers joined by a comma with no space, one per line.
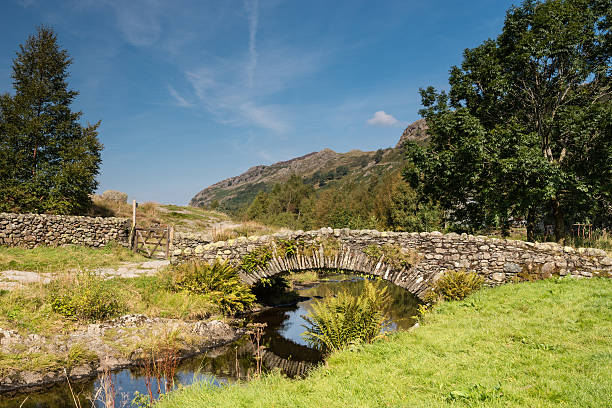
(284,349)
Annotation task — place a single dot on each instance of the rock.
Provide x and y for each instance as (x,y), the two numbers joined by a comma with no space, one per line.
(32,378)
(82,371)
(548,269)
(416,131)
(498,276)
(511,267)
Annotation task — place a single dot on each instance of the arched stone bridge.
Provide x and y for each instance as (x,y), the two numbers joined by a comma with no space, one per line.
(432,254)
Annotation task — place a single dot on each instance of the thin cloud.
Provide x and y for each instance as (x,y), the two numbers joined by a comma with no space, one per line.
(381,118)
(138,20)
(222,89)
(180,101)
(252,9)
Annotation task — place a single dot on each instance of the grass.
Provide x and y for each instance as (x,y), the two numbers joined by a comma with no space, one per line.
(303,277)
(44,362)
(601,239)
(245,229)
(60,259)
(538,344)
(29,311)
(183,218)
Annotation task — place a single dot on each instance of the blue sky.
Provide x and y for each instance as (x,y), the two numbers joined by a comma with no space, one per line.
(192,92)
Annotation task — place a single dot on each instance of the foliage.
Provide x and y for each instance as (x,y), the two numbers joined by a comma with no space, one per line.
(48,160)
(455,285)
(84,297)
(287,248)
(256,259)
(525,130)
(394,255)
(338,322)
(383,202)
(218,282)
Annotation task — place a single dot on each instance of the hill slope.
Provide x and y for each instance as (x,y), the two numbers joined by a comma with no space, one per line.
(319,169)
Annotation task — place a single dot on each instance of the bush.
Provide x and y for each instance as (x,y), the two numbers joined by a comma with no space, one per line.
(344,320)
(455,285)
(255,259)
(86,297)
(394,255)
(218,282)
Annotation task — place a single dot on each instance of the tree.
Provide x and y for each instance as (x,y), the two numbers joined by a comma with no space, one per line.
(525,131)
(48,160)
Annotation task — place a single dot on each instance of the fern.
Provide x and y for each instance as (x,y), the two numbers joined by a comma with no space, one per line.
(218,282)
(454,285)
(345,320)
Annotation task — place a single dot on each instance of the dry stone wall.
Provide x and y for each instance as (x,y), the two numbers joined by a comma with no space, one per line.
(32,230)
(497,260)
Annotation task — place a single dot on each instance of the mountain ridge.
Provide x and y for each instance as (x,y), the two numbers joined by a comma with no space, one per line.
(318,168)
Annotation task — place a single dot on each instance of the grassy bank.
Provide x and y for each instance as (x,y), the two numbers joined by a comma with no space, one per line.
(29,310)
(538,344)
(61,259)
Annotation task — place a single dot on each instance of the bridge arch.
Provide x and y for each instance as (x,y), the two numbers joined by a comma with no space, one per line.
(346,259)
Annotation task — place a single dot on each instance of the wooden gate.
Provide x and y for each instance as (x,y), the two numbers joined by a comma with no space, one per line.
(152,241)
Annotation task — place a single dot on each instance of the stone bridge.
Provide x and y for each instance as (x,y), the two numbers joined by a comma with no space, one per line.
(410,260)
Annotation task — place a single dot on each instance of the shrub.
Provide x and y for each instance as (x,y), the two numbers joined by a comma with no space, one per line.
(455,285)
(255,259)
(337,322)
(394,255)
(87,296)
(218,282)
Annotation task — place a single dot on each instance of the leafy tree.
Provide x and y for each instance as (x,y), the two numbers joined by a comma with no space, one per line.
(341,171)
(525,131)
(408,213)
(378,155)
(48,160)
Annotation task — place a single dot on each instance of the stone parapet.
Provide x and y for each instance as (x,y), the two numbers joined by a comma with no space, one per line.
(497,260)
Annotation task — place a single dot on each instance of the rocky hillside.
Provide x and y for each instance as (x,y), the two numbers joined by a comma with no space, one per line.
(319,169)
(416,131)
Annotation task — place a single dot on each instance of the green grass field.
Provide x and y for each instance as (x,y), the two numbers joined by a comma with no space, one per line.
(539,344)
(63,259)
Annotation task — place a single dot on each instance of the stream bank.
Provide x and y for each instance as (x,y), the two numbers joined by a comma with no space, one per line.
(112,345)
(224,354)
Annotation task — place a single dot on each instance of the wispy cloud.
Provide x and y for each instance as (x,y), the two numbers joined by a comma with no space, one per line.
(179,99)
(222,85)
(221,93)
(252,9)
(139,20)
(381,118)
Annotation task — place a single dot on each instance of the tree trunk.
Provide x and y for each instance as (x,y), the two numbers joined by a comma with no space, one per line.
(34,160)
(559,222)
(530,225)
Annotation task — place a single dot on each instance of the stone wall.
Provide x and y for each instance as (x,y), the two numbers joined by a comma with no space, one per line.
(185,240)
(497,260)
(32,230)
